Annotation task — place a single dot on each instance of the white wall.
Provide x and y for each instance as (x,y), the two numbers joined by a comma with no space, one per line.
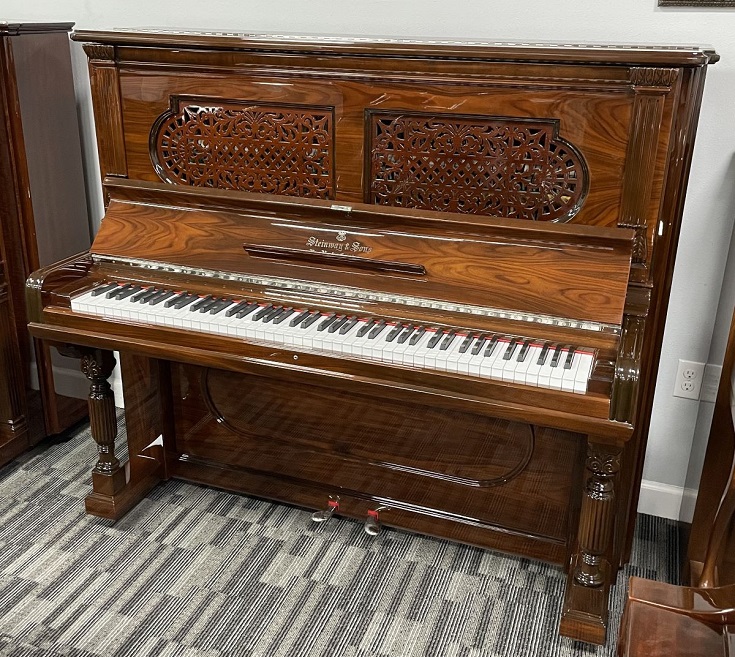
(677,438)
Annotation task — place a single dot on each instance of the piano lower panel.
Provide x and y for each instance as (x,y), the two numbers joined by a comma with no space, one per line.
(466,476)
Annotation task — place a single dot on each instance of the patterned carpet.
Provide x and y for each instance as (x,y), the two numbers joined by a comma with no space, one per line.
(197,572)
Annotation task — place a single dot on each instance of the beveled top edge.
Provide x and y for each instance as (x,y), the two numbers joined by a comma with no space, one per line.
(540,51)
(15,28)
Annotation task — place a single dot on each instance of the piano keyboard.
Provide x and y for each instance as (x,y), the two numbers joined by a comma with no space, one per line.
(501,357)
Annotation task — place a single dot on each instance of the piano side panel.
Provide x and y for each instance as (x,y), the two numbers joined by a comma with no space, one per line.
(461,471)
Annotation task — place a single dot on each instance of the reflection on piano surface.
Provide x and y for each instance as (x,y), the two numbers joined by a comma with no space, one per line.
(313,302)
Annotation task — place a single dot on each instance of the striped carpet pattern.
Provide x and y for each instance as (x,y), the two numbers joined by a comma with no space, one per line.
(198,572)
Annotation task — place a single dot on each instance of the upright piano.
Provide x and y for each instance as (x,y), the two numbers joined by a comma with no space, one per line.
(421,284)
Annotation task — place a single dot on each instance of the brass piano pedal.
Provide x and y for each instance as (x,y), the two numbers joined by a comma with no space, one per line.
(326,514)
(372,524)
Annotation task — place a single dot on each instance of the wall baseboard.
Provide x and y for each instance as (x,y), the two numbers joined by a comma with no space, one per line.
(667,501)
(656,499)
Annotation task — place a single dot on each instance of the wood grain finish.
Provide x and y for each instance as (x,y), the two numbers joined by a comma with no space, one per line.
(599,138)
(547,271)
(42,217)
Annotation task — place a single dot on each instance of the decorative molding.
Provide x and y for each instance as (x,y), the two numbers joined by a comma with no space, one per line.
(653,77)
(601,462)
(248,146)
(502,166)
(100,52)
(640,163)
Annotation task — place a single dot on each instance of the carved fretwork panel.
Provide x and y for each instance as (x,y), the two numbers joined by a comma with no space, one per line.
(275,149)
(507,167)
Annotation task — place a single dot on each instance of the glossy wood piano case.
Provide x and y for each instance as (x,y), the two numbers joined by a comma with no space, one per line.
(532,191)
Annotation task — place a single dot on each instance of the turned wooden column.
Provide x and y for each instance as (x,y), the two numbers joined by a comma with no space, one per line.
(597,514)
(108,477)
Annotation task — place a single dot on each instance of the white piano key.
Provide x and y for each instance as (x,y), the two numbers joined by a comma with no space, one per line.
(527,372)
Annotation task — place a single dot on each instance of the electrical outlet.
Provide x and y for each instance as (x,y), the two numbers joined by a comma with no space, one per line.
(689,378)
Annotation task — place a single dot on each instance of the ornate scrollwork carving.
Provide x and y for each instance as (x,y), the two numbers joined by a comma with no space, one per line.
(653,77)
(506,167)
(253,147)
(602,462)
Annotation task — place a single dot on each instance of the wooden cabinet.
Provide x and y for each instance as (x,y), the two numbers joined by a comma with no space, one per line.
(43,217)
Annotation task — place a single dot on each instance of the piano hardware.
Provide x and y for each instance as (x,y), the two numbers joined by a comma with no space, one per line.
(375,340)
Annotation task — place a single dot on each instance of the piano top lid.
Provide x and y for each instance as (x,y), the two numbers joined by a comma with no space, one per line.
(324,45)
(577,273)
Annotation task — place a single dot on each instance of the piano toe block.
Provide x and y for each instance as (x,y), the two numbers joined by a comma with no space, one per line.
(585,609)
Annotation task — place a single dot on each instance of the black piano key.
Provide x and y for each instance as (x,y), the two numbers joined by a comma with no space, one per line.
(101,289)
(315,316)
(466,343)
(269,317)
(447,342)
(557,355)
(544,354)
(284,315)
(509,351)
(524,351)
(158,292)
(348,326)
(112,294)
(377,329)
(220,306)
(435,340)
(206,307)
(406,334)
(340,321)
(393,333)
(477,347)
(129,292)
(160,298)
(145,295)
(417,335)
(299,318)
(202,300)
(262,312)
(491,344)
(185,300)
(326,322)
(237,306)
(246,310)
(172,301)
(570,358)
(369,323)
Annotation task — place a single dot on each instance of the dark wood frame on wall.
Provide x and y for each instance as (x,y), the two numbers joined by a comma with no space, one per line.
(696,3)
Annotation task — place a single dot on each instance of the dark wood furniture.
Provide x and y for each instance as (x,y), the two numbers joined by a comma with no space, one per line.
(42,218)
(490,189)
(711,553)
(663,620)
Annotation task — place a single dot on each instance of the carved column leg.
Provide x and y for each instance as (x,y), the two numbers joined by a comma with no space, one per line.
(108,477)
(586,602)
(596,517)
